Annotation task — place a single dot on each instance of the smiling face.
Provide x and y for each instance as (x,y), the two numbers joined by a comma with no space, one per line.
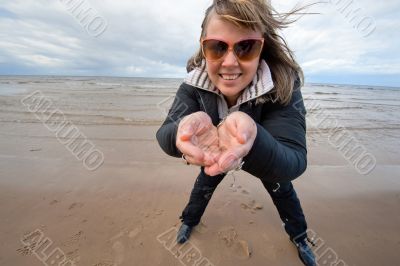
(229,75)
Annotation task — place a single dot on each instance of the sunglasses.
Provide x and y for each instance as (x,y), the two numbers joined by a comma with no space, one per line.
(244,50)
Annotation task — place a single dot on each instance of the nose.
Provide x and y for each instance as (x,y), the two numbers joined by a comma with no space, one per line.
(230,59)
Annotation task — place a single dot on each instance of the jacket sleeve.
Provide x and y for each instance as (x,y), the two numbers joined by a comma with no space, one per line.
(185,103)
(279,152)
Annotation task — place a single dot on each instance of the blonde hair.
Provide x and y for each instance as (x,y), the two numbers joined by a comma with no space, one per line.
(261,16)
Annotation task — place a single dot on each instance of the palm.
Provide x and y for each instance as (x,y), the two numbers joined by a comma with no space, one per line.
(236,137)
(198,139)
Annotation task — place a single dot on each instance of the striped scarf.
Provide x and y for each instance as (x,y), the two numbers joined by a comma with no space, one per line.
(260,85)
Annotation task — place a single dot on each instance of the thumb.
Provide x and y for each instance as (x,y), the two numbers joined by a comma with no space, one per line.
(231,125)
(188,130)
(243,132)
(238,130)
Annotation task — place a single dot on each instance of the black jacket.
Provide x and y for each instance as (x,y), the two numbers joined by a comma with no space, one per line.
(279,152)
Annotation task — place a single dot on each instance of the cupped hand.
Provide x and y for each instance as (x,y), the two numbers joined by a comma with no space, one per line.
(236,136)
(197,139)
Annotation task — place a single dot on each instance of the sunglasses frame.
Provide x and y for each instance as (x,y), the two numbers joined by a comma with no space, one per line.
(230,48)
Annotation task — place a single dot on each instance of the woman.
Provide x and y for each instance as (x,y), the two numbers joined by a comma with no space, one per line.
(241,107)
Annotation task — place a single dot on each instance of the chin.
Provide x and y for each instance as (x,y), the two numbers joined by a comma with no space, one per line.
(232,89)
(230,92)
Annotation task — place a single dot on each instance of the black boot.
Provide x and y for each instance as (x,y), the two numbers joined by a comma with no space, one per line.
(306,255)
(183,233)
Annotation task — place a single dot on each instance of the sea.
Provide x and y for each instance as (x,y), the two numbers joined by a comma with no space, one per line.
(146,100)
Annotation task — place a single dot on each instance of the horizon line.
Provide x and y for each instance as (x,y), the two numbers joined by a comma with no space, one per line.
(143,77)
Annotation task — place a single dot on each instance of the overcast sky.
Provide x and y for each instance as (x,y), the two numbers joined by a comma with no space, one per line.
(349,41)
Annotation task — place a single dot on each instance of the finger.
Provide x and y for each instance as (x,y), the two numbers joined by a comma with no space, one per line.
(204,125)
(228,161)
(231,158)
(195,126)
(193,160)
(213,170)
(211,157)
(187,148)
(208,159)
(188,129)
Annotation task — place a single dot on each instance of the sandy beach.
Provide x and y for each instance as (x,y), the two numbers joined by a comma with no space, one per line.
(125,211)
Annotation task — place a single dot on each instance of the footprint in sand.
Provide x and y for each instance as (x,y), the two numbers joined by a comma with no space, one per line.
(120,234)
(159,212)
(234,188)
(53,202)
(154,214)
(135,232)
(75,205)
(252,206)
(26,250)
(239,247)
(201,228)
(72,253)
(242,249)
(228,236)
(124,236)
(74,239)
(119,251)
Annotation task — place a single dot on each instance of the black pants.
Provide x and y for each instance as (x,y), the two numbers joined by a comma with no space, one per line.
(283,195)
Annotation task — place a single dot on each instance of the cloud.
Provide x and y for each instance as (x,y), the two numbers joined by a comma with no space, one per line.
(156,38)
(334,41)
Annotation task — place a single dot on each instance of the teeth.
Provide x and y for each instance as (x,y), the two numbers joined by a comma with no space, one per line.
(230,77)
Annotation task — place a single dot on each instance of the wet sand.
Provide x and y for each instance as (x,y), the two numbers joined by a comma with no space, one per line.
(126,211)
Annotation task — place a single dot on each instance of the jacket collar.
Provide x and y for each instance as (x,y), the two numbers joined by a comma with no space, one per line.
(261,84)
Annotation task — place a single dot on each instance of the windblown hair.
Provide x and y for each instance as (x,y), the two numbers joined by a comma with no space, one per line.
(261,16)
